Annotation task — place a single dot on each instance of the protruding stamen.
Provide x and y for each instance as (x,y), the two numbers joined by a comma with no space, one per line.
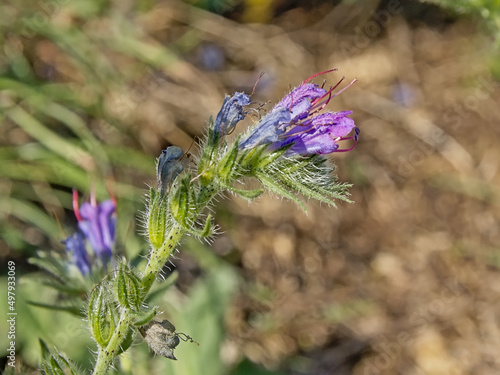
(345,88)
(355,137)
(76,207)
(320,73)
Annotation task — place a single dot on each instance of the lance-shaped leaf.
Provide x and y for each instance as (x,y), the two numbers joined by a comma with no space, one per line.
(273,186)
(206,231)
(246,194)
(145,318)
(101,316)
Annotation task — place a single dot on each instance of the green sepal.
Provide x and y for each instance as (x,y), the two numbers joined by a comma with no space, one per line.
(157,218)
(210,150)
(100,316)
(145,318)
(127,288)
(247,194)
(205,232)
(179,202)
(272,157)
(250,158)
(226,165)
(271,184)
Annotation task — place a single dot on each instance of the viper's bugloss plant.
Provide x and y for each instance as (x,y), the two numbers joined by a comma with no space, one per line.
(283,152)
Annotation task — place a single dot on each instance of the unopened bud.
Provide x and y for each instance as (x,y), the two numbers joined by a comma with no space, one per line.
(168,167)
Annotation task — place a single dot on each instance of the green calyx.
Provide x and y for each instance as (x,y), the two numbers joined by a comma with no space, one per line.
(101,316)
(127,289)
(157,218)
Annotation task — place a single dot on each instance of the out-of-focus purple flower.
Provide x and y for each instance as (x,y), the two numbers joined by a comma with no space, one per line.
(97,222)
(75,244)
(297,119)
(230,114)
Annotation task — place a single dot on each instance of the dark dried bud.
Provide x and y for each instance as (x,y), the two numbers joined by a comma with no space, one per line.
(161,337)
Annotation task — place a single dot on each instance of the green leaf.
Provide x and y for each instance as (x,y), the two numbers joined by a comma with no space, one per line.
(247,194)
(70,309)
(145,318)
(45,352)
(205,232)
(48,264)
(273,186)
(127,341)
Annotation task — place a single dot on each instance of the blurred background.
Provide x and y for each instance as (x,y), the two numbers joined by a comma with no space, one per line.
(405,280)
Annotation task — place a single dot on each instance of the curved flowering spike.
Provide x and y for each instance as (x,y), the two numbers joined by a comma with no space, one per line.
(97,222)
(75,244)
(309,131)
(230,113)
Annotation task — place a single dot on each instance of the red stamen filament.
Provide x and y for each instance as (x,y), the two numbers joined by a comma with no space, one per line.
(320,73)
(355,137)
(76,207)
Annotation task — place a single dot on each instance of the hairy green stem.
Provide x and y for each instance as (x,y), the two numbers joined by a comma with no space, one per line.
(106,355)
(160,256)
(156,262)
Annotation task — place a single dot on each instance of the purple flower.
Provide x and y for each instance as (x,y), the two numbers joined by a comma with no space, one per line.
(97,223)
(297,119)
(75,244)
